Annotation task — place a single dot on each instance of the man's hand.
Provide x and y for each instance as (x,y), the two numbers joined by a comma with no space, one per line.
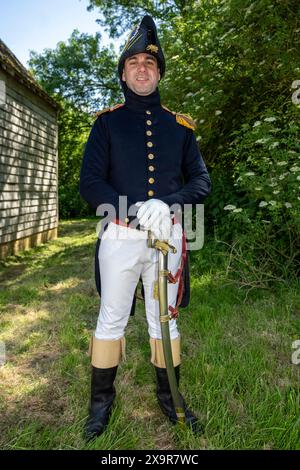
(162,230)
(155,215)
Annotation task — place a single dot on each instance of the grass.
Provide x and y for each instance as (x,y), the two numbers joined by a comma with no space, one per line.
(236,370)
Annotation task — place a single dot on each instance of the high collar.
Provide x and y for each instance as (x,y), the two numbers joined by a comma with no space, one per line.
(139,103)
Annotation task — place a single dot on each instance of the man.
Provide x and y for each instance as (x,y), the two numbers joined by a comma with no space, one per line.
(142,151)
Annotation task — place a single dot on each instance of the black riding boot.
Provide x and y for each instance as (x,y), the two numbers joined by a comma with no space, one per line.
(102,396)
(166,403)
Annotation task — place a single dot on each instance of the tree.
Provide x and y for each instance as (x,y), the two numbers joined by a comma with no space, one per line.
(120,16)
(79,71)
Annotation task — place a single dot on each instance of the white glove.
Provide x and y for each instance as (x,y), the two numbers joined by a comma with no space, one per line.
(139,203)
(162,229)
(151,211)
(155,215)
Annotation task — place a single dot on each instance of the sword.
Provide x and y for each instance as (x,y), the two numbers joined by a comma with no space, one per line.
(163,248)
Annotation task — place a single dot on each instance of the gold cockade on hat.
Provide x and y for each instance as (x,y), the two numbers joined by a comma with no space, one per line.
(152,48)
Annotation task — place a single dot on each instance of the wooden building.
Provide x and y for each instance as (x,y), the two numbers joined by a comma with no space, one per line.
(28,159)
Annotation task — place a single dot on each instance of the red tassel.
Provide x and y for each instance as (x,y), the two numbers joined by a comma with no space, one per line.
(172,279)
(174,311)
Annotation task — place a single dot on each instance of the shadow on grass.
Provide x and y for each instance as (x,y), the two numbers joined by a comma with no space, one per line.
(75,227)
(47,317)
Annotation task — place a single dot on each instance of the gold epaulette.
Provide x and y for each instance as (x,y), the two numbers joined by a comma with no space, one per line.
(186,120)
(183,119)
(106,110)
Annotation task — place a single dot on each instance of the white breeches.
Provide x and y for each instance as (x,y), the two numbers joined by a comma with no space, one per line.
(125,257)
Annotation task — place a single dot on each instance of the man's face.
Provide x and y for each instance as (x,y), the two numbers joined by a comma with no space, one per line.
(141,73)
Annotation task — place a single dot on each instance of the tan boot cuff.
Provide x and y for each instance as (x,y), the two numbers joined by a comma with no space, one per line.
(106,353)
(157,353)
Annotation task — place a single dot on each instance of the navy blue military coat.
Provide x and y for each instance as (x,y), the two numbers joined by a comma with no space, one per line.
(143,151)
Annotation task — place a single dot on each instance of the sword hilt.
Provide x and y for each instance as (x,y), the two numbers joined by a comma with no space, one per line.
(161,245)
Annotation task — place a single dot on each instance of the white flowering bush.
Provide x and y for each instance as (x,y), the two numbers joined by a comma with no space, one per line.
(263,212)
(269,174)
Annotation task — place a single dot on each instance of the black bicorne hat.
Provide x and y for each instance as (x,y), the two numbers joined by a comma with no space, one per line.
(143,38)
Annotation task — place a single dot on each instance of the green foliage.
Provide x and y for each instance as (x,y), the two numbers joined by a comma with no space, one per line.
(122,15)
(265,169)
(74,128)
(229,60)
(270,174)
(80,71)
(265,204)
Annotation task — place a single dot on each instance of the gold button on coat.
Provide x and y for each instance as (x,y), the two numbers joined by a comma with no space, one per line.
(148,122)
(150,156)
(151,168)
(148,112)
(149,133)
(149,144)
(150,193)
(151,180)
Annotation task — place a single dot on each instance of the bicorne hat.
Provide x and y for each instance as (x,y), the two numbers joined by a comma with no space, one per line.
(143,38)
